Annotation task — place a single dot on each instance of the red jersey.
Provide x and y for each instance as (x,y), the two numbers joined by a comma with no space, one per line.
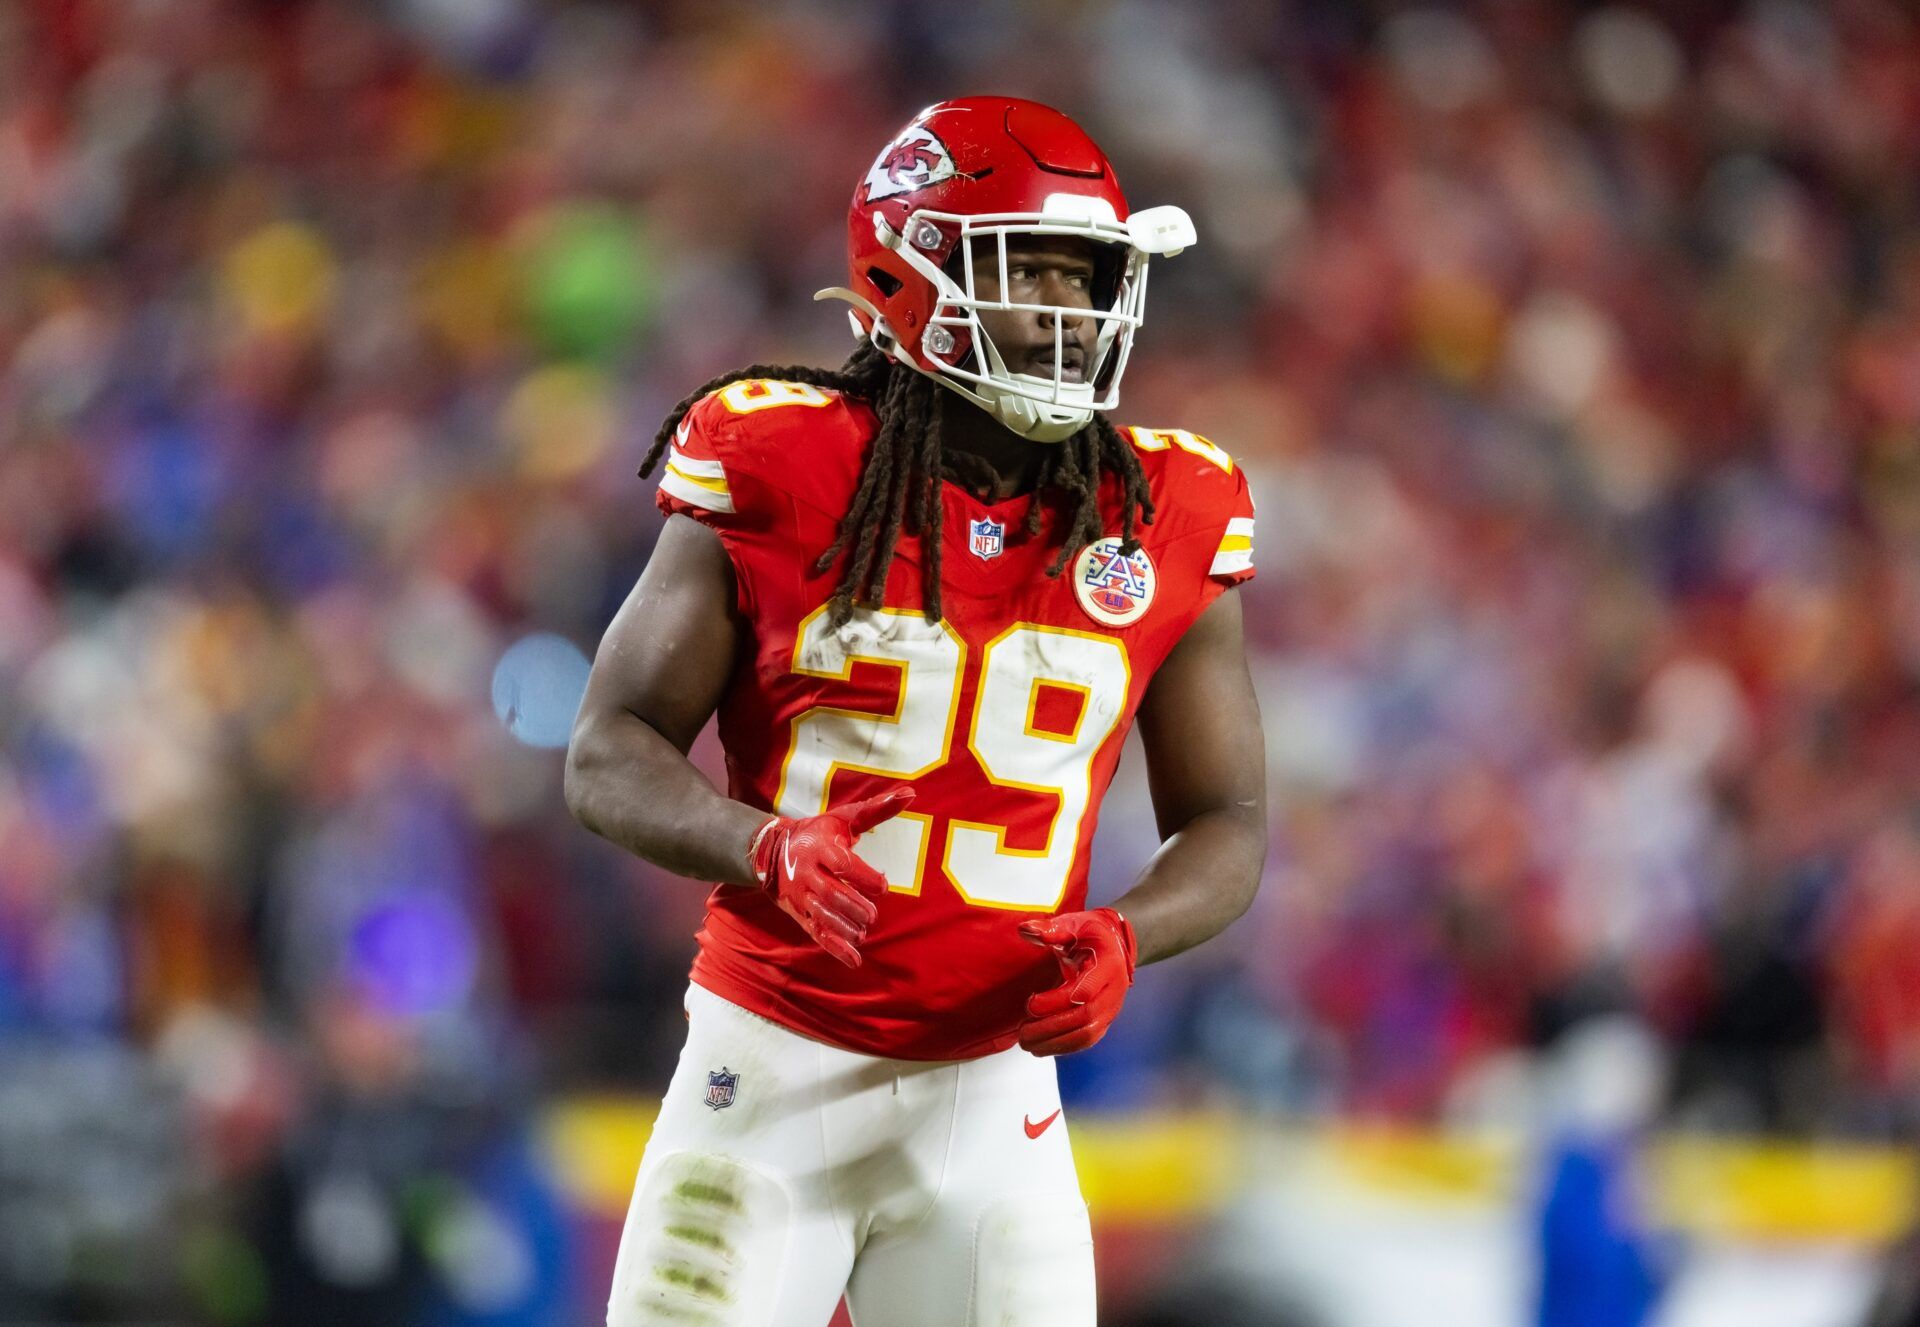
(1006,717)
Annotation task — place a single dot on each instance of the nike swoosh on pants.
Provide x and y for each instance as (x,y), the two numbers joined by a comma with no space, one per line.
(1035,1130)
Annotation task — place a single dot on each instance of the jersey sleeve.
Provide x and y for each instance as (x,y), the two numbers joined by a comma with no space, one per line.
(1233,558)
(695,481)
(710,477)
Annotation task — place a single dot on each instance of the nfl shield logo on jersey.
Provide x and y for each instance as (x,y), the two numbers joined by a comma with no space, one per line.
(1112,587)
(984,537)
(720,1088)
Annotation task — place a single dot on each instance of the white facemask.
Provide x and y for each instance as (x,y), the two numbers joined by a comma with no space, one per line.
(1041,409)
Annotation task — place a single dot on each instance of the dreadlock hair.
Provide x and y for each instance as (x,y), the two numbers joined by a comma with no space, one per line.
(900,485)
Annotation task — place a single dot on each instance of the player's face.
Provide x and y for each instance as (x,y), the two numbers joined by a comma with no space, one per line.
(1049,269)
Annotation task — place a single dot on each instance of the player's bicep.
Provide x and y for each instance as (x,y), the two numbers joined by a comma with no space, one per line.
(668,653)
(1199,723)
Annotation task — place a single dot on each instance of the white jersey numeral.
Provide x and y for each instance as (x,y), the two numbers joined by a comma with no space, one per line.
(751,394)
(911,741)
(1016,669)
(1158,440)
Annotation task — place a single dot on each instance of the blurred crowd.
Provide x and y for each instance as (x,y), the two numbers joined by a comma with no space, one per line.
(1573,351)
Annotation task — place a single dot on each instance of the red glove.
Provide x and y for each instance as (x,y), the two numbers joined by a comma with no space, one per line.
(810,868)
(1096,952)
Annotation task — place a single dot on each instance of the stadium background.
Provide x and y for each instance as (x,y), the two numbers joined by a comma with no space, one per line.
(1574,355)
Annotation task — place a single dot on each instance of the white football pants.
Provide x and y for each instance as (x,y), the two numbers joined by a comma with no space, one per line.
(933,1194)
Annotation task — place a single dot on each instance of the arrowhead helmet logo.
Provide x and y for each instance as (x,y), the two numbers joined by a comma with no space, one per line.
(912,161)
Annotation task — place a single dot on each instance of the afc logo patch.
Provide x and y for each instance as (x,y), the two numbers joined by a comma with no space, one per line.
(1115,590)
(720,1088)
(912,161)
(986,537)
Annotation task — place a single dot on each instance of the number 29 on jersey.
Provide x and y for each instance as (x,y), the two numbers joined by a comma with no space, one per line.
(1046,700)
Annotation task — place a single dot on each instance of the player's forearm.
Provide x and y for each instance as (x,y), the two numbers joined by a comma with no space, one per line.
(1203,877)
(630,785)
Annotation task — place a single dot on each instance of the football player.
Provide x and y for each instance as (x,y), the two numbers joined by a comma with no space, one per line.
(927,593)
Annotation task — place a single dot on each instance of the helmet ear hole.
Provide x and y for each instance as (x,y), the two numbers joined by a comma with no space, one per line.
(1109,266)
(886,282)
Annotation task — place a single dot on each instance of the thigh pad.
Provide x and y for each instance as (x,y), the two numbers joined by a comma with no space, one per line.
(713,1240)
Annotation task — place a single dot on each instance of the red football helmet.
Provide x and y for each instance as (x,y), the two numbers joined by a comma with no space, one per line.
(997,166)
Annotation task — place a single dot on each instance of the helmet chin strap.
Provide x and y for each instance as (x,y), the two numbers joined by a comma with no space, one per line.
(1036,421)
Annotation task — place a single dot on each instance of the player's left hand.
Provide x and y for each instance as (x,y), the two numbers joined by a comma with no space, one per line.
(1096,952)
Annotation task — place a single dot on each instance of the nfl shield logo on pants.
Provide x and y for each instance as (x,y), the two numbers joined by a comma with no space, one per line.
(720,1088)
(983,537)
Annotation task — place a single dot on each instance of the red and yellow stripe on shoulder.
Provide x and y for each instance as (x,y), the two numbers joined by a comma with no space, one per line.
(1212,490)
(1233,559)
(694,473)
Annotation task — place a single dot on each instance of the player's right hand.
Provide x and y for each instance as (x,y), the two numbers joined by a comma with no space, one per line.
(812,871)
